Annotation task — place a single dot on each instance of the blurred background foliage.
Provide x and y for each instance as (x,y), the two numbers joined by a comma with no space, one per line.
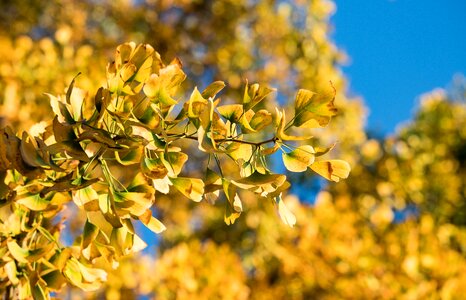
(394,230)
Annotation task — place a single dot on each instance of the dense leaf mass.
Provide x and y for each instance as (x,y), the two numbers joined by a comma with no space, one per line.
(112,152)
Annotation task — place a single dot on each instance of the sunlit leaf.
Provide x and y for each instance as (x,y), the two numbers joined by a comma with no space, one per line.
(213,89)
(299,159)
(192,188)
(285,214)
(333,170)
(314,109)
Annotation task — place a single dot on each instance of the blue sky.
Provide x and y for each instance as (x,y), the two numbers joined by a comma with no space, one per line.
(398,50)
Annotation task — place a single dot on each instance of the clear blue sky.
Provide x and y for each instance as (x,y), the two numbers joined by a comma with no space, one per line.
(398,50)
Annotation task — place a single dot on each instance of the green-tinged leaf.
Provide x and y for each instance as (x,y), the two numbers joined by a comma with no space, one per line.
(155,90)
(299,159)
(55,280)
(85,195)
(213,89)
(213,185)
(206,141)
(258,179)
(87,279)
(285,214)
(24,256)
(32,201)
(129,157)
(261,119)
(127,71)
(98,219)
(192,188)
(333,170)
(254,93)
(38,292)
(314,110)
(153,168)
(173,162)
(231,112)
(90,232)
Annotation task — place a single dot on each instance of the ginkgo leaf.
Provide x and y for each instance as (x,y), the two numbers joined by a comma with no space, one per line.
(87,279)
(281,128)
(232,197)
(332,170)
(261,183)
(10,270)
(314,109)
(129,157)
(32,201)
(90,232)
(213,89)
(319,151)
(231,112)
(192,188)
(85,195)
(230,215)
(30,152)
(151,222)
(153,168)
(299,159)
(127,71)
(239,151)
(196,104)
(162,185)
(261,119)
(254,93)
(285,214)
(135,200)
(27,255)
(155,90)
(173,162)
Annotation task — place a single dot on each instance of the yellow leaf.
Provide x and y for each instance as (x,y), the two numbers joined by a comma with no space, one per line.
(262,184)
(299,159)
(285,214)
(314,110)
(332,170)
(196,104)
(281,127)
(162,185)
(213,89)
(192,188)
(254,93)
